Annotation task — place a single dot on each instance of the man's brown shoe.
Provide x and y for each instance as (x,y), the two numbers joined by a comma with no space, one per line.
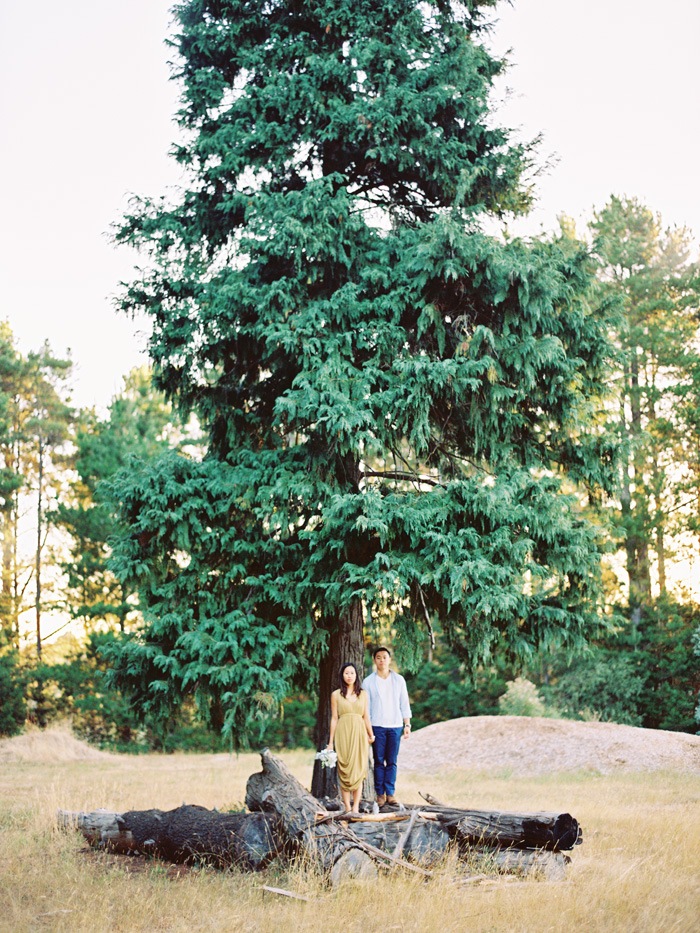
(392,800)
(381,800)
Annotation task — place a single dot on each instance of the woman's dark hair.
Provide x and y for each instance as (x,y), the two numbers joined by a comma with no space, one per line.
(343,686)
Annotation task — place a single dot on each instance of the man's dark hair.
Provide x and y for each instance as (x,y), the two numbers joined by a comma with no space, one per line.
(380,648)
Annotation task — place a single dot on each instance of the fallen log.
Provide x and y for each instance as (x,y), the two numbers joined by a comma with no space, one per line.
(327,842)
(149,832)
(550,831)
(394,860)
(287,820)
(528,863)
(426,844)
(187,834)
(503,829)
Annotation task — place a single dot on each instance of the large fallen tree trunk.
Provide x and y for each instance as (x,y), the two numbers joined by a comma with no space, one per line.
(187,834)
(305,822)
(503,829)
(555,832)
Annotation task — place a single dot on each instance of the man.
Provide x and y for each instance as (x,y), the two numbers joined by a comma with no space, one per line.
(390,714)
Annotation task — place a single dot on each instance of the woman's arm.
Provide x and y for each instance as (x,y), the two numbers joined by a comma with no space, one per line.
(368,724)
(334,717)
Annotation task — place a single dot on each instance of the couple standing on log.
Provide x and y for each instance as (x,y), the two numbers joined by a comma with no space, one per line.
(378,712)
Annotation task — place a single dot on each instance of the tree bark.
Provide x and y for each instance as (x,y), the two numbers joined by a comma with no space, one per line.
(526,862)
(328,843)
(39,516)
(550,831)
(346,645)
(187,834)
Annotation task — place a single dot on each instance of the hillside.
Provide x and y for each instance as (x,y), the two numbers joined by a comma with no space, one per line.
(531,746)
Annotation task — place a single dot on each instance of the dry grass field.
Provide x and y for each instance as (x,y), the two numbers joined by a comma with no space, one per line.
(637,870)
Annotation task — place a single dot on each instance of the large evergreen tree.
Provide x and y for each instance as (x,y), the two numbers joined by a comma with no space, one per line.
(394,399)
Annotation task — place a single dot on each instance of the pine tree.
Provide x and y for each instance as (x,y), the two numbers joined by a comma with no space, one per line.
(397,403)
(650,270)
(11,480)
(47,423)
(35,423)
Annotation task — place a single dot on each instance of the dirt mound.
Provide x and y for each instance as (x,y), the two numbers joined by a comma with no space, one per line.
(531,746)
(47,746)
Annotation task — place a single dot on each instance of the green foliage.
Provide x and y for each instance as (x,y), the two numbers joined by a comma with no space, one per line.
(293,728)
(35,424)
(443,689)
(663,648)
(643,674)
(394,399)
(651,272)
(13,708)
(605,685)
(76,688)
(696,653)
(135,430)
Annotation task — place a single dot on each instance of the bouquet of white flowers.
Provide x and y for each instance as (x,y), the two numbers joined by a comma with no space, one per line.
(327,757)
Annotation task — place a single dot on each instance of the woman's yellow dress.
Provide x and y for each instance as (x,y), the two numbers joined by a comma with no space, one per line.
(351,742)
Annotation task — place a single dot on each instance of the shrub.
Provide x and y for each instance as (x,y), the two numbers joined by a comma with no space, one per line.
(13,708)
(521,699)
(602,686)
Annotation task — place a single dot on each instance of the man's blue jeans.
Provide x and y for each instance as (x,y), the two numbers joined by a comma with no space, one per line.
(386,752)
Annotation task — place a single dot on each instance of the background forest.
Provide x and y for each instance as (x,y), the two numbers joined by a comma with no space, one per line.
(368,421)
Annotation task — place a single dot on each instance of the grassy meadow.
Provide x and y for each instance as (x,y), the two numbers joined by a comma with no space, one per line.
(638,868)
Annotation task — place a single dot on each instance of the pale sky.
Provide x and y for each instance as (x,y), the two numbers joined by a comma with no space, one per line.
(86,116)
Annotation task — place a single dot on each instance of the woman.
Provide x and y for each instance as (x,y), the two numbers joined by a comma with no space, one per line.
(351,730)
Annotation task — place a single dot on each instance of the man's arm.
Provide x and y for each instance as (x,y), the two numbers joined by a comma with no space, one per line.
(366,685)
(404,705)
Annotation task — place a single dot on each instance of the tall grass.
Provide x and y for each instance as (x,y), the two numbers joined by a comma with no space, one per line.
(637,870)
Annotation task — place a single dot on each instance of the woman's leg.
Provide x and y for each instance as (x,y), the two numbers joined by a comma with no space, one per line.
(356,798)
(345,794)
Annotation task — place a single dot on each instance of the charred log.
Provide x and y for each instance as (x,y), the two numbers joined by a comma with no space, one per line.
(187,834)
(554,832)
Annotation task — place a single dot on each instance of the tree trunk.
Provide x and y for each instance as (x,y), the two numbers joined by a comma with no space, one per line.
(39,516)
(187,834)
(640,579)
(329,844)
(7,615)
(346,645)
(551,831)
(659,524)
(526,862)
